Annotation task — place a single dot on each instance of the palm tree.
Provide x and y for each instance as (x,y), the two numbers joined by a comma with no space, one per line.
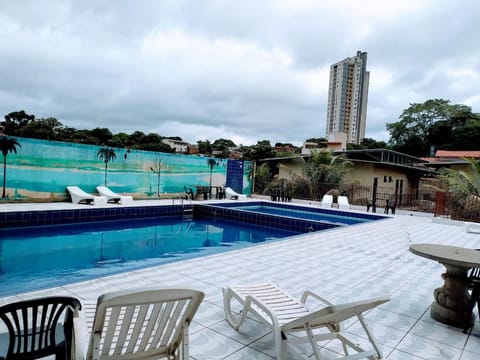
(8,145)
(211,163)
(106,154)
(323,167)
(463,189)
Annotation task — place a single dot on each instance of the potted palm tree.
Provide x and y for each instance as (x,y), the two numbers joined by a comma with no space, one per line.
(106,154)
(8,145)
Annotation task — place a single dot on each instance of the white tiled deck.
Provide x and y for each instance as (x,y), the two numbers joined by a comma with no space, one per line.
(345,264)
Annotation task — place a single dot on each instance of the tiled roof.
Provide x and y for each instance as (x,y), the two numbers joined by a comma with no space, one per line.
(457,154)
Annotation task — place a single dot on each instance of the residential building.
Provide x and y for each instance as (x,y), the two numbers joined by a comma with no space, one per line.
(377,174)
(453,159)
(179,146)
(347,97)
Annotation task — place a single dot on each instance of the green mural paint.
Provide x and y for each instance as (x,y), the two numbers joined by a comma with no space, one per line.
(42,169)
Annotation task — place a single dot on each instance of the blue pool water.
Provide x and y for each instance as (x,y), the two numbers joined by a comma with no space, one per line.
(327,216)
(40,257)
(304,214)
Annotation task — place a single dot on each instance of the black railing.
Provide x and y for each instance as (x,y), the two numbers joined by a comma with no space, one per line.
(376,198)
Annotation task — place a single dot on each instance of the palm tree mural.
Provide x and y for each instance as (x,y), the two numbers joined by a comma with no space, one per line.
(211,163)
(106,154)
(8,145)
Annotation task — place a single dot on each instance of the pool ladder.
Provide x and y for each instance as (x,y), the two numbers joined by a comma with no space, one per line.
(187,218)
(187,214)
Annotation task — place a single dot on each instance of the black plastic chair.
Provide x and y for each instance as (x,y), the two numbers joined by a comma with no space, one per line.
(33,327)
(474,285)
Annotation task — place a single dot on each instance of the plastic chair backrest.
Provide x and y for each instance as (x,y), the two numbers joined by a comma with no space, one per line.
(32,326)
(143,323)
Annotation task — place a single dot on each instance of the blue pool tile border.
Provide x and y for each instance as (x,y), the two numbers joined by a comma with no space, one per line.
(229,212)
(332,211)
(55,217)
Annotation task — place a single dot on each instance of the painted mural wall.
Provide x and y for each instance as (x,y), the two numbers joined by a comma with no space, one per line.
(42,169)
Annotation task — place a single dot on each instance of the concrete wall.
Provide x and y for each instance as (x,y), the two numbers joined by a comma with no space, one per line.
(42,169)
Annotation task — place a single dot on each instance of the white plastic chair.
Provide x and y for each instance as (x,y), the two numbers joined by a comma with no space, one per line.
(284,314)
(114,197)
(327,201)
(79,196)
(143,324)
(343,203)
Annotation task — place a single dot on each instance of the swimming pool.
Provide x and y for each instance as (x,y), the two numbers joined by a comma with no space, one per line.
(309,214)
(35,258)
(40,249)
(290,213)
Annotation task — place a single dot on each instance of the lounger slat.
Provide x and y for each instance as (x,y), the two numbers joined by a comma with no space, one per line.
(143,324)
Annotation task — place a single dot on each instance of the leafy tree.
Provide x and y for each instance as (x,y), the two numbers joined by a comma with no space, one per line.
(262,150)
(84,137)
(102,135)
(121,140)
(204,147)
(222,146)
(48,129)
(427,125)
(368,143)
(322,167)
(106,154)
(137,137)
(16,121)
(66,133)
(7,145)
(466,137)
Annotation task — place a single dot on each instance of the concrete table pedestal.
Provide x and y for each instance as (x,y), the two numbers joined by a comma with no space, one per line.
(451,300)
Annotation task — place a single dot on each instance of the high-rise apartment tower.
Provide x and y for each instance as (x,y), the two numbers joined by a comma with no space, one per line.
(347,98)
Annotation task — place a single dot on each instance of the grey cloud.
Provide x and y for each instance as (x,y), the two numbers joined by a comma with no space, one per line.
(203,70)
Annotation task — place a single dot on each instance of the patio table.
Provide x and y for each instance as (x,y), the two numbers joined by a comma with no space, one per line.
(451,300)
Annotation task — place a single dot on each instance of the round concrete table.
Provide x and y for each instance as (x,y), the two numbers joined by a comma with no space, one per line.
(451,300)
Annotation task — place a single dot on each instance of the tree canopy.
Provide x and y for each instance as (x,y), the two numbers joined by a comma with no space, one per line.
(368,143)
(434,124)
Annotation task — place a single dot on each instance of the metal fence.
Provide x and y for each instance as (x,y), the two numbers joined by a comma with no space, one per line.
(447,205)
(425,199)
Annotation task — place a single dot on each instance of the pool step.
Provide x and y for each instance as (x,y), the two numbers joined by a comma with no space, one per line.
(188,214)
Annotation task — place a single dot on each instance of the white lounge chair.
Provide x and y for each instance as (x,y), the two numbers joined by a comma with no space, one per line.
(343,203)
(114,197)
(327,201)
(233,195)
(284,314)
(143,324)
(79,196)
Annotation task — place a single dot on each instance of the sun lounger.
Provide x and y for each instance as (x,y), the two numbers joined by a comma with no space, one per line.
(284,315)
(143,324)
(79,196)
(343,203)
(233,195)
(327,201)
(114,197)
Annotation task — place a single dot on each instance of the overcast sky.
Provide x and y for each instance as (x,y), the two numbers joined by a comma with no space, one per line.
(244,70)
